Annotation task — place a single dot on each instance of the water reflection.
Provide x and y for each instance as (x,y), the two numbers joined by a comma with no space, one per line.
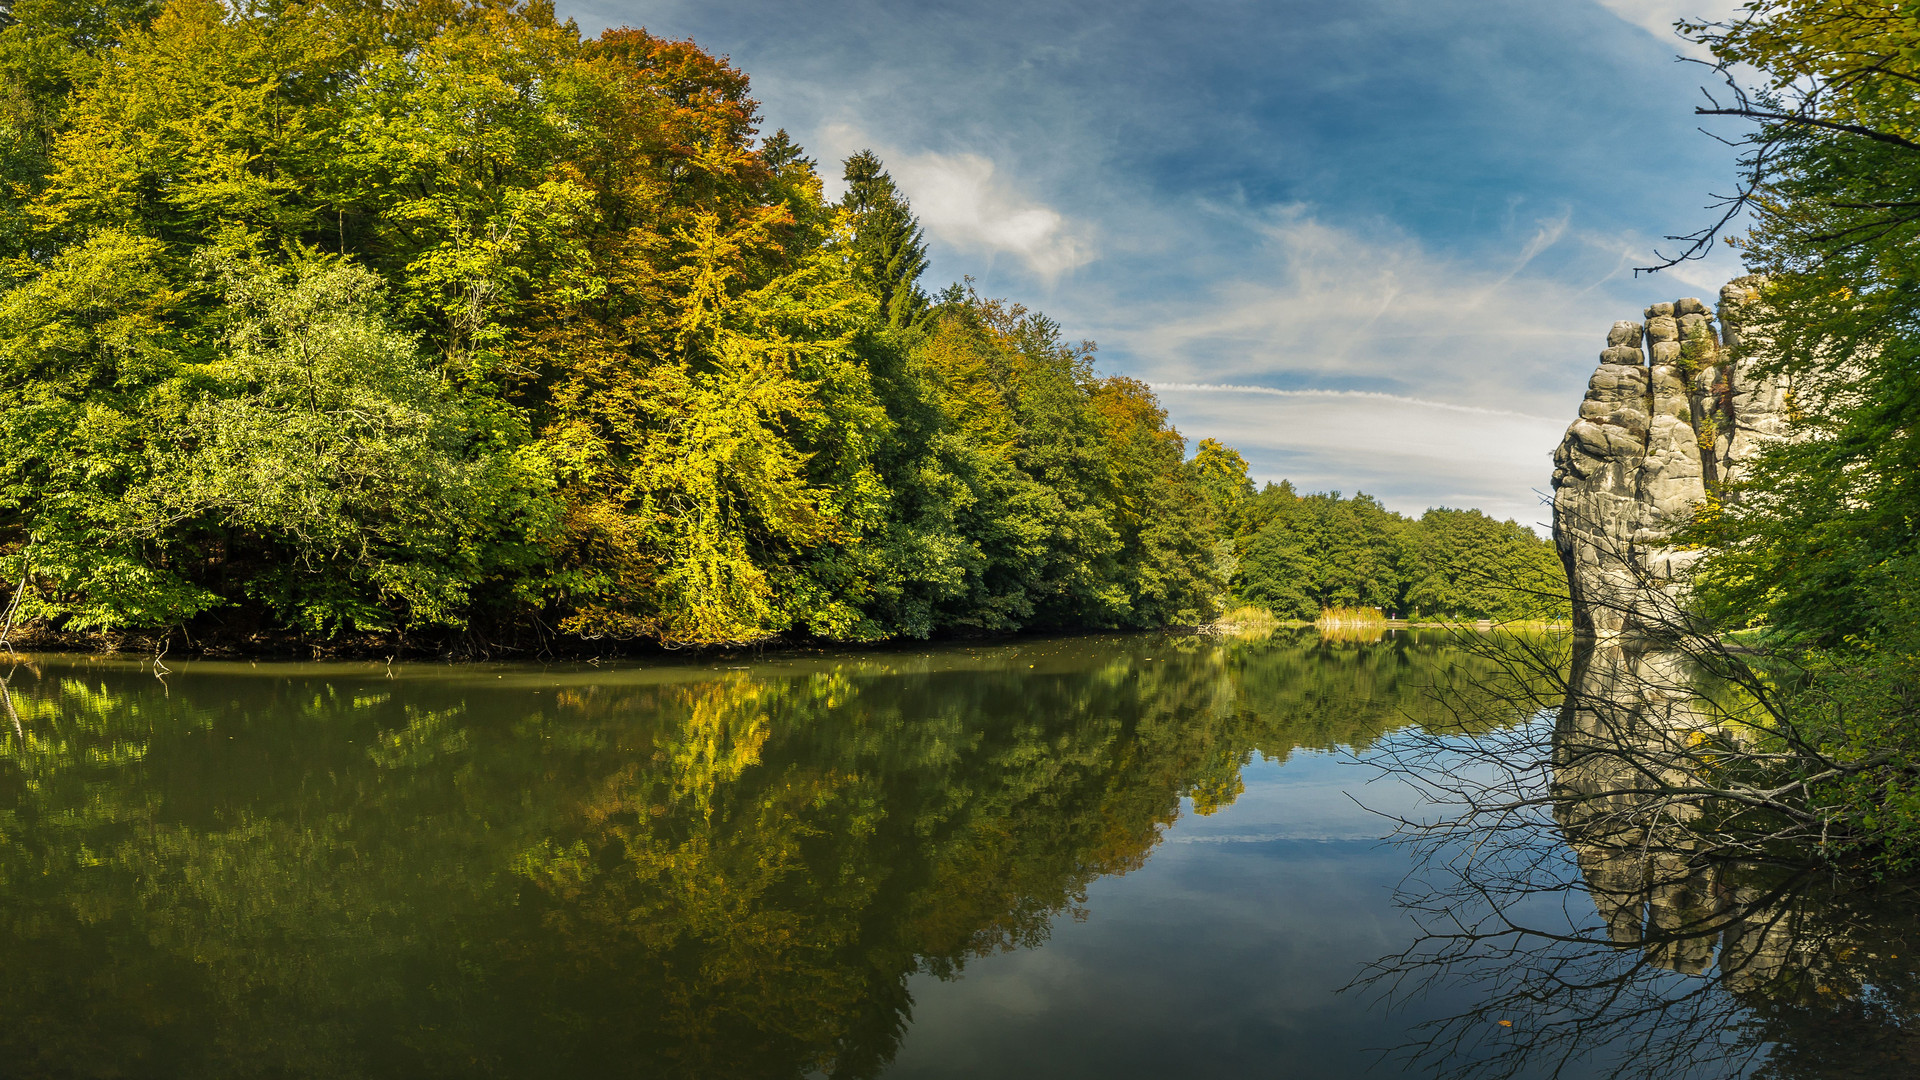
(693,871)
(1617,913)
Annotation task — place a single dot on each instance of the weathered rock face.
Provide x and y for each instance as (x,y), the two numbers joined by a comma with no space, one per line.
(1668,419)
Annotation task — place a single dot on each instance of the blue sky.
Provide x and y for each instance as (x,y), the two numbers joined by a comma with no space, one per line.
(1373,244)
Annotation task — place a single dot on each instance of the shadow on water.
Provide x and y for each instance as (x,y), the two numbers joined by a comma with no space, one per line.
(1615,910)
(338,870)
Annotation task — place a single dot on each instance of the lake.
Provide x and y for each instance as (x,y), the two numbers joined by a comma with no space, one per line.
(1138,855)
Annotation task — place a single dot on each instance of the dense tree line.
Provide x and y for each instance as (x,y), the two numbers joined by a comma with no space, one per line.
(1297,555)
(436,317)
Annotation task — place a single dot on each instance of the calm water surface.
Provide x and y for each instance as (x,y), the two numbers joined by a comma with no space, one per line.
(1099,857)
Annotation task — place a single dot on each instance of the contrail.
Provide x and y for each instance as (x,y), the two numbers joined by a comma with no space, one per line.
(1369,395)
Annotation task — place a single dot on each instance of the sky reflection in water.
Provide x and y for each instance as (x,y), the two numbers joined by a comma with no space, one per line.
(1105,857)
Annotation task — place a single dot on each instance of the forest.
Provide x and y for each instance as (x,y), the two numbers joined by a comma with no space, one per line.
(1300,555)
(436,321)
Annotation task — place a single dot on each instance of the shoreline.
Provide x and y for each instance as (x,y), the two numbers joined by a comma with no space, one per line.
(361,648)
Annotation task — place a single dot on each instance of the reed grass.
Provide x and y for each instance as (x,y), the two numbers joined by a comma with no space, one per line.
(1361,624)
(1246,621)
(1351,616)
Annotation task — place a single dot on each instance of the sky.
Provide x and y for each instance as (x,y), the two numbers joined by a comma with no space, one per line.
(1374,245)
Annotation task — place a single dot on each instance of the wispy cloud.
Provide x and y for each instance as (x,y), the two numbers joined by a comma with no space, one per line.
(1353,357)
(1372,309)
(1438,202)
(1658,16)
(1360,395)
(1701,277)
(1410,454)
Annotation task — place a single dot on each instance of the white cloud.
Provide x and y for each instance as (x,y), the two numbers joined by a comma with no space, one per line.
(1358,359)
(1350,395)
(1023,171)
(1411,454)
(1658,16)
(961,201)
(967,203)
(1701,277)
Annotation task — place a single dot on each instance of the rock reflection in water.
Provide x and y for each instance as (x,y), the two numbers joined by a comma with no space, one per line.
(1655,950)
(1798,953)
(1626,737)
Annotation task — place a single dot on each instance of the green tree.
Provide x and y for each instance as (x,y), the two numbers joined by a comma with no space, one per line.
(46,47)
(1823,527)
(1462,563)
(90,348)
(1277,569)
(375,317)
(1222,473)
(1816,546)
(890,250)
(321,448)
(1299,555)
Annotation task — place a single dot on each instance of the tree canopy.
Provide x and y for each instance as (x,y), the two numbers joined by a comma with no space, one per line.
(437,321)
(1820,540)
(1298,555)
(1812,550)
(437,318)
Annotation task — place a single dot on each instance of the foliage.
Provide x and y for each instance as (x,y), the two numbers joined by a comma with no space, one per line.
(343,319)
(332,319)
(1298,555)
(1808,542)
(1844,722)
(1814,549)
(889,249)
(1223,476)
(1462,562)
(320,447)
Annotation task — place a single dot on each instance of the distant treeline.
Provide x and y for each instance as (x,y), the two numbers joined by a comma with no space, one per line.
(436,319)
(1298,555)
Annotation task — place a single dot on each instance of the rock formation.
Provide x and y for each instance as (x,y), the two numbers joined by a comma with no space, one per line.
(1669,417)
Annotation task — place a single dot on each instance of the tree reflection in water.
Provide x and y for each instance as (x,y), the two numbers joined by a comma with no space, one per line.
(313,870)
(1617,903)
